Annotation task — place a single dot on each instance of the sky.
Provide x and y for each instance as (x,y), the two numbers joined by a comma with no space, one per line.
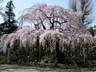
(22,4)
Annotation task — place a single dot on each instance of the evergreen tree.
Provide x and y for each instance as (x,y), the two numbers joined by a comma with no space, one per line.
(10,24)
(91,30)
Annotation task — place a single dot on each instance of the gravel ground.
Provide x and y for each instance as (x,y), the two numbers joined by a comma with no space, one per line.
(15,68)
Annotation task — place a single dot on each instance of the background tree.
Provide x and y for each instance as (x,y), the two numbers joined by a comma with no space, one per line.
(91,30)
(85,6)
(73,5)
(10,23)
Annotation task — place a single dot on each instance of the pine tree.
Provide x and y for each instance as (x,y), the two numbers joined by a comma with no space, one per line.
(10,24)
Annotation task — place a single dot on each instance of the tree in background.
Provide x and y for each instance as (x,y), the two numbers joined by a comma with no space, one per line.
(91,30)
(73,5)
(10,23)
(85,6)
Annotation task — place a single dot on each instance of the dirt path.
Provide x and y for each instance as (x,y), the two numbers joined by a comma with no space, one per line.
(15,68)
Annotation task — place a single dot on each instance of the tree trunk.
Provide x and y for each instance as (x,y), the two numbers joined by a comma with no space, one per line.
(8,57)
